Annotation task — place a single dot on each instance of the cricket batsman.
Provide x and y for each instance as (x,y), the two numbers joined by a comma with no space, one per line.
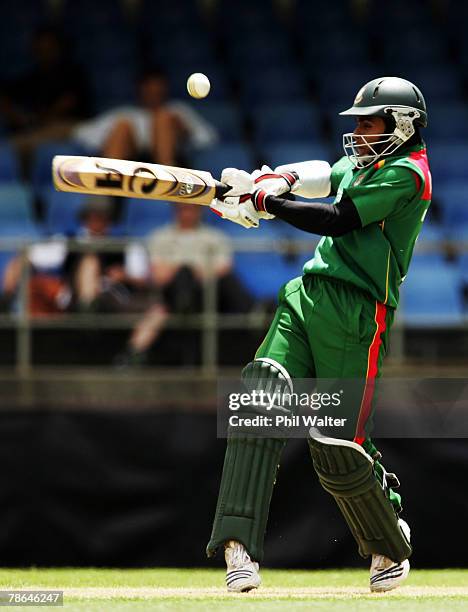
(333,322)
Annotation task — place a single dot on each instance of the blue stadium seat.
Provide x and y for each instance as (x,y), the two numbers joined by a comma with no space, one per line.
(448,161)
(91,18)
(61,211)
(430,232)
(327,52)
(224,116)
(454,200)
(41,174)
(164,17)
(16,212)
(264,273)
(423,48)
(252,53)
(176,47)
(431,293)
(463,267)
(448,120)
(289,152)
(229,155)
(113,87)
(9,168)
(143,216)
(438,83)
(283,122)
(277,83)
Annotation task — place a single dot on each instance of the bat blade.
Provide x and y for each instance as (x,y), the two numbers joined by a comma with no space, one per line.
(118,177)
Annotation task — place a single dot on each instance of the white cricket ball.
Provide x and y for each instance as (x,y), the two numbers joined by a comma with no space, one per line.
(198,85)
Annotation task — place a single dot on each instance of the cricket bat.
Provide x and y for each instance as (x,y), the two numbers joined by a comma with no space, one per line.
(119,177)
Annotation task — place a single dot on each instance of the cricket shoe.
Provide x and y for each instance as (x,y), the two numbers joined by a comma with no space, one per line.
(242,573)
(385,574)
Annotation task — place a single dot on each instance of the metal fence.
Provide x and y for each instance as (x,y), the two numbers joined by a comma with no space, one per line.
(209,321)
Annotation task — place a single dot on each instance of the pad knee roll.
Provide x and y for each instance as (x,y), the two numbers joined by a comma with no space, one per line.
(346,471)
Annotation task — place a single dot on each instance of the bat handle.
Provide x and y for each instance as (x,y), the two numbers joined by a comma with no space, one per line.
(220,189)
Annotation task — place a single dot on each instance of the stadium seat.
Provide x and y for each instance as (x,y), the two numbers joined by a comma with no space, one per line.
(448,120)
(61,211)
(230,155)
(114,86)
(431,293)
(16,212)
(288,152)
(282,122)
(448,161)
(438,83)
(454,200)
(9,167)
(224,116)
(253,53)
(264,273)
(272,85)
(41,173)
(143,216)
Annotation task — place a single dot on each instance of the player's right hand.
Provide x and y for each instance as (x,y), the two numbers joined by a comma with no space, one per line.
(274,183)
(238,209)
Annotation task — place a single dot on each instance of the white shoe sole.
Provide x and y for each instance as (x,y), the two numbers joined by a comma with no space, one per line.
(242,581)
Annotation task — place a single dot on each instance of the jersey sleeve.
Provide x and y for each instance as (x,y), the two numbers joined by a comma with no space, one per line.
(385,193)
(338,171)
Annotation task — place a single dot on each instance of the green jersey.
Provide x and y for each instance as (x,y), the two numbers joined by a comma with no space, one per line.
(392,197)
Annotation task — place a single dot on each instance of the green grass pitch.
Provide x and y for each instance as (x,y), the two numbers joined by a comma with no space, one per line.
(174,590)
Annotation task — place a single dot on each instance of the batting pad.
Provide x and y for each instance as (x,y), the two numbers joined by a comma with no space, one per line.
(249,474)
(346,471)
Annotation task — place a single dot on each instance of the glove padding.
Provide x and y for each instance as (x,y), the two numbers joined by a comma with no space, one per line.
(271,182)
(237,209)
(274,183)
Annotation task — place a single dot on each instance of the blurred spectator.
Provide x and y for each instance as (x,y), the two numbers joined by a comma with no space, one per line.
(98,279)
(183,255)
(45,103)
(48,293)
(161,129)
(86,280)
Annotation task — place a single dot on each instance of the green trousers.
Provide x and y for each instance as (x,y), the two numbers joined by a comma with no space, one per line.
(329,329)
(322,329)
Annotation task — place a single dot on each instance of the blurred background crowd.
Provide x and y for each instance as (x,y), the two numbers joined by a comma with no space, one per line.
(108,78)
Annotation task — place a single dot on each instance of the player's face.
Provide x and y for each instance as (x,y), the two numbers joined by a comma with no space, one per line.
(371,128)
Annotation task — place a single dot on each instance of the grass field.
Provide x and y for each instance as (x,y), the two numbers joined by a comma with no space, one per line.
(172,590)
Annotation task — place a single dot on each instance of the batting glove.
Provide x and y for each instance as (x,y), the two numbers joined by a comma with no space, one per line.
(274,183)
(239,210)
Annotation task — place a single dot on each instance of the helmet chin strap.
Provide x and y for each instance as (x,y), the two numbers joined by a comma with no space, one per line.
(404,129)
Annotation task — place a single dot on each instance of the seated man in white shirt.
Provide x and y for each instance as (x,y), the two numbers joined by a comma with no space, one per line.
(182,256)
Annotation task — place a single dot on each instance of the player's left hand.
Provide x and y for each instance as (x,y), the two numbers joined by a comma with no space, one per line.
(274,183)
(239,210)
